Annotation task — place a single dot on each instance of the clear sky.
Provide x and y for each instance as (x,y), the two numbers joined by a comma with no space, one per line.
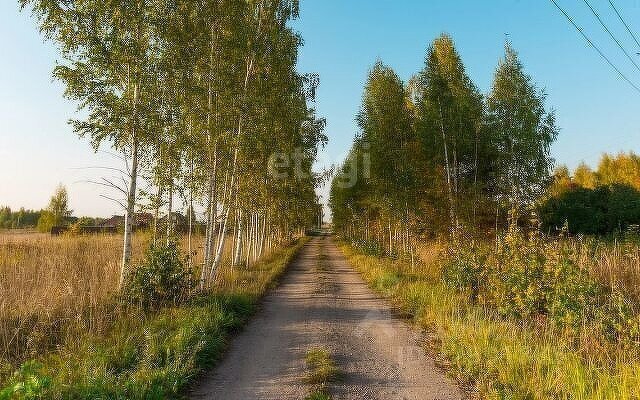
(596,110)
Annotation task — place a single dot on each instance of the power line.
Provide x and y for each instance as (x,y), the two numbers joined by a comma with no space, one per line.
(624,23)
(595,47)
(611,34)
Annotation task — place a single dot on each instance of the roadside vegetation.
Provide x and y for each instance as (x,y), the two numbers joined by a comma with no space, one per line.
(143,352)
(217,134)
(322,370)
(504,355)
(448,204)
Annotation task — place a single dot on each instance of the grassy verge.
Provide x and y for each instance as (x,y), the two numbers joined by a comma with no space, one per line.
(321,370)
(150,356)
(504,358)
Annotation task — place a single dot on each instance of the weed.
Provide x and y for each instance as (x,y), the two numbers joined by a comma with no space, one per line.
(318,395)
(321,371)
(322,368)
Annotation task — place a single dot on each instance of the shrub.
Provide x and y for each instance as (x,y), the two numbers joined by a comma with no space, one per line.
(524,277)
(161,280)
(465,268)
(515,279)
(603,210)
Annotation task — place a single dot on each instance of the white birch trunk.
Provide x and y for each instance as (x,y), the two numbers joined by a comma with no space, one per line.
(129,216)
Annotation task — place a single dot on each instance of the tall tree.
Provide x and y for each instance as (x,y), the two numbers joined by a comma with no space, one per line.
(109,68)
(522,131)
(450,126)
(197,95)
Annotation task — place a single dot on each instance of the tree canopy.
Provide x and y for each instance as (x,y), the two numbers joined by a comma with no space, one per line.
(438,157)
(197,96)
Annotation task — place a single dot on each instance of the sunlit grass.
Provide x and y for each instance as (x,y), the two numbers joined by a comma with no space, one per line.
(138,354)
(321,370)
(504,358)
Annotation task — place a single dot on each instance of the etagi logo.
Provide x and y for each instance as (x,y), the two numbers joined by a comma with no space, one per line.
(348,169)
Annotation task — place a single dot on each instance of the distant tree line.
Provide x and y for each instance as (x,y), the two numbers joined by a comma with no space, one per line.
(57,213)
(603,201)
(18,219)
(434,156)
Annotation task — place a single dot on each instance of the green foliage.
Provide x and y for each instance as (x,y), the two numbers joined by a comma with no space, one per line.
(46,221)
(57,212)
(197,97)
(512,358)
(437,144)
(152,359)
(161,280)
(59,205)
(597,202)
(598,211)
(18,219)
(623,168)
(529,277)
(318,395)
(27,383)
(322,368)
(455,148)
(522,131)
(368,247)
(465,268)
(148,355)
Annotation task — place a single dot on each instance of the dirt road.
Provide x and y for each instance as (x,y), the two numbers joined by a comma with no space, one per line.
(323,303)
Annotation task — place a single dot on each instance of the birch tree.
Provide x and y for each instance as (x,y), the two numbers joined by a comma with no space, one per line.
(450,121)
(523,131)
(108,68)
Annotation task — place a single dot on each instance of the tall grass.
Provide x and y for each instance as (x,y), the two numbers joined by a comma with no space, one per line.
(48,284)
(56,289)
(614,263)
(506,357)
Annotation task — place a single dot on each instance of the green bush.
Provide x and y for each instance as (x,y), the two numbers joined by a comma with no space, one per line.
(524,277)
(465,268)
(599,211)
(161,280)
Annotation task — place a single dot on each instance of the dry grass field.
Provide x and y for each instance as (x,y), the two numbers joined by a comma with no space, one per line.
(52,286)
(65,333)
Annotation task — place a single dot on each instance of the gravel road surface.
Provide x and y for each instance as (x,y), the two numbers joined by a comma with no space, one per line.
(323,303)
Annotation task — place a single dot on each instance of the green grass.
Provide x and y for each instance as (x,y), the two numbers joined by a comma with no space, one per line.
(321,371)
(318,395)
(322,368)
(150,356)
(504,358)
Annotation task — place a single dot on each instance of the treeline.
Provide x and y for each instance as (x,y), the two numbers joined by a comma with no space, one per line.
(18,219)
(57,213)
(435,156)
(603,201)
(197,96)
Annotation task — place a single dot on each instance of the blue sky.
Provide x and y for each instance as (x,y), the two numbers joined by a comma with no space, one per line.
(596,110)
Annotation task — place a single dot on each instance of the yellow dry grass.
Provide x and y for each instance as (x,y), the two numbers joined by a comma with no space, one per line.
(51,286)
